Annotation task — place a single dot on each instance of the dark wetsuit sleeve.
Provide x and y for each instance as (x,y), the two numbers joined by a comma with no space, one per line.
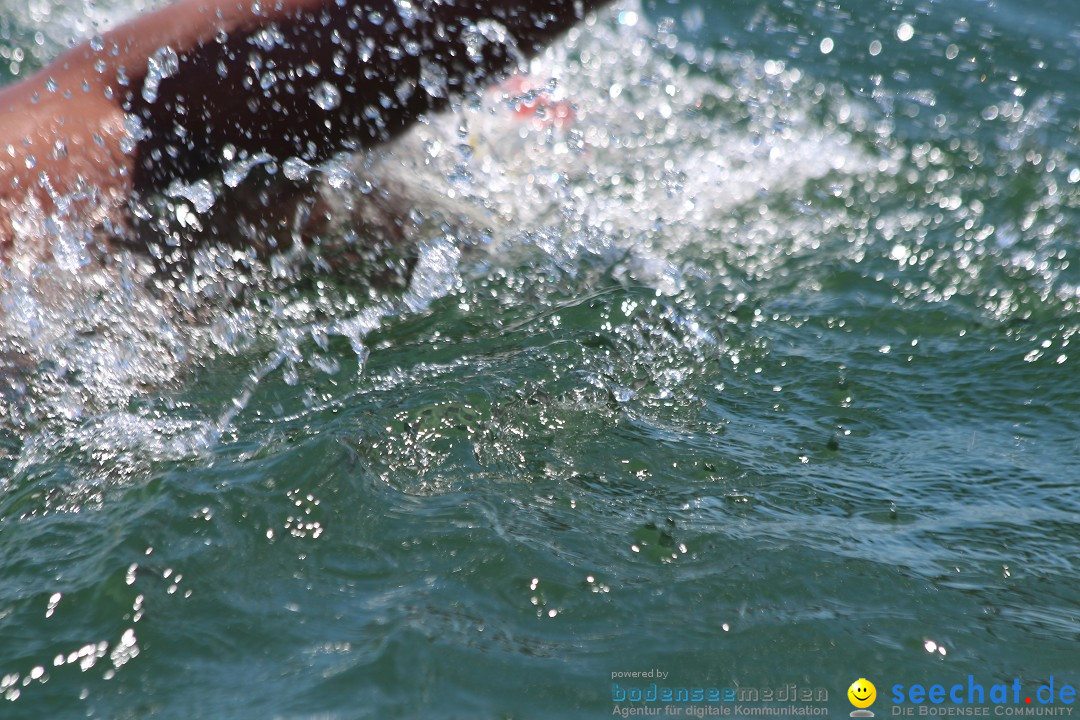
(307,77)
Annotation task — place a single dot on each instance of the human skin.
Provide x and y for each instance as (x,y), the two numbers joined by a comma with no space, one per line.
(249,76)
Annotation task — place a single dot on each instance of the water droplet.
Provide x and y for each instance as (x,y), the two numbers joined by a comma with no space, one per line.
(235,175)
(296,169)
(473,45)
(268,38)
(338,177)
(774,67)
(199,193)
(433,78)
(905,32)
(407,12)
(826,45)
(405,90)
(163,63)
(326,95)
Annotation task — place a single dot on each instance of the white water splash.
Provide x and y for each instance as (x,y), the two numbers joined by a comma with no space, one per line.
(622,155)
(162,64)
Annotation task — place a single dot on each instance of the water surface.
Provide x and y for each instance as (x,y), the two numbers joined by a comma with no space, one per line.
(758,372)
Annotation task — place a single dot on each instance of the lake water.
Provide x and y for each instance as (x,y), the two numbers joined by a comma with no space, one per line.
(758,370)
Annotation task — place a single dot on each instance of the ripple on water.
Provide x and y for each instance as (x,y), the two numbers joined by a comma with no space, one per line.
(753,349)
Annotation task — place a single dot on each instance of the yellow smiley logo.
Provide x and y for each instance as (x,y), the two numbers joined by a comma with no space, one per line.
(862,693)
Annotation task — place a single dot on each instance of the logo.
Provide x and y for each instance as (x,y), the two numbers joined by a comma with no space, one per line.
(862,694)
(1007,699)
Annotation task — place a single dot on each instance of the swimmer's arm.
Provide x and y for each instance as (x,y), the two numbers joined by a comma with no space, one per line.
(286,77)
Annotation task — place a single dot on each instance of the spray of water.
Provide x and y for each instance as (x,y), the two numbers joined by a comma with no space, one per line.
(621,154)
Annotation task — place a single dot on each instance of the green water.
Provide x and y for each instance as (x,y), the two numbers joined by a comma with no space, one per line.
(793,399)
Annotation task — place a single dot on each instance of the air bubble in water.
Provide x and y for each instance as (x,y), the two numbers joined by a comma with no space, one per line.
(326,95)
